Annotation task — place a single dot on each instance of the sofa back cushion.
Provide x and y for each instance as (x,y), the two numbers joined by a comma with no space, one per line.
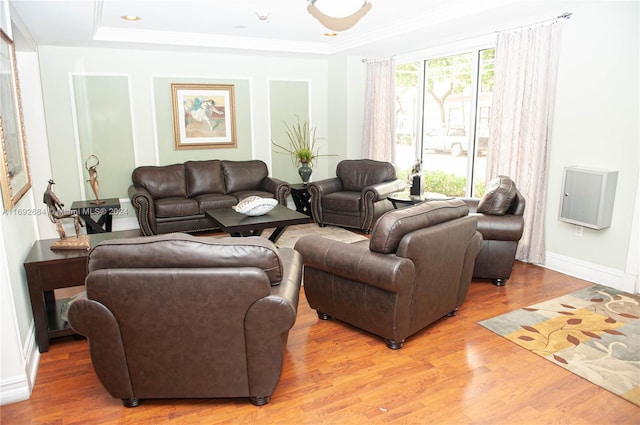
(243,175)
(393,225)
(356,174)
(204,177)
(179,250)
(500,194)
(161,182)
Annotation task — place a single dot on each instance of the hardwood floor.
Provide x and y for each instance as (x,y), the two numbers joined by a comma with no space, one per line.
(454,372)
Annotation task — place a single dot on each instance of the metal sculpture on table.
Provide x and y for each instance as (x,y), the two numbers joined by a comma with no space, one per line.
(93,178)
(56,212)
(416,179)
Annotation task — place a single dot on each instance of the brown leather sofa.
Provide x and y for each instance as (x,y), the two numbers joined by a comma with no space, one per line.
(173,198)
(179,316)
(501,222)
(415,270)
(357,196)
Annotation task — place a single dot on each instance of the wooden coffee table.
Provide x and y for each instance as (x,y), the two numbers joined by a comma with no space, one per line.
(237,224)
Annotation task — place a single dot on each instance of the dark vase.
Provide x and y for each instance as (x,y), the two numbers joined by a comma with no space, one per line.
(305,172)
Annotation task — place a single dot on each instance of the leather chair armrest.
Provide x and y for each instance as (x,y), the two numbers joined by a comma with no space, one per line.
(145,210)
(279,188)
(317,190)
(357,263)
(268,317)
(472,203)
(500,227)
(327,186)
(380,191)
(97,323)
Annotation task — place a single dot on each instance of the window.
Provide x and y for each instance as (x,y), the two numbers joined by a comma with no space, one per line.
(444,107)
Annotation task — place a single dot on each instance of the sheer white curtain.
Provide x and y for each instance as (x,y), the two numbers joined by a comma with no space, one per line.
(379,133)
(520,129)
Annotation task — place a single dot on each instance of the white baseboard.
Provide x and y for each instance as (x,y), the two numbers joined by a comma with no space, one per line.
(19,387)
(595,273)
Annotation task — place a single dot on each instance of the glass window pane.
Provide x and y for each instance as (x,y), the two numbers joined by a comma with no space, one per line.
(485,92)
(407,95)
(445,138)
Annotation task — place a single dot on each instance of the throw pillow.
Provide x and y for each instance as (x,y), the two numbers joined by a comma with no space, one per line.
(255,205)
(499,196)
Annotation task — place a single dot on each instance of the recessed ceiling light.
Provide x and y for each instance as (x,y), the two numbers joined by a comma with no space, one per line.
(130,18)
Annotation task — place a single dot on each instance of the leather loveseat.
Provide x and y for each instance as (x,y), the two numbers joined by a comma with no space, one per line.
(415,270)
(173,198)
(180,316)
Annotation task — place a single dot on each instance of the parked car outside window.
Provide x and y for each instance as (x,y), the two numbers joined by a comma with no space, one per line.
(453,140)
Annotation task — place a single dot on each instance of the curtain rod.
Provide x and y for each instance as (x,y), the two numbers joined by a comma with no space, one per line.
(565,15)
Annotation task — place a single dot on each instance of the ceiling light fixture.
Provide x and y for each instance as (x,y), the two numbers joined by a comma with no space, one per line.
(130,18)
(338,15)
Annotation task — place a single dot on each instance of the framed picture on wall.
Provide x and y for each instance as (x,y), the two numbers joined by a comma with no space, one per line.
(15,180)
(204,116)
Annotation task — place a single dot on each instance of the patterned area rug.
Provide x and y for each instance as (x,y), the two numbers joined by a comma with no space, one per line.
(594,333)
(290,236)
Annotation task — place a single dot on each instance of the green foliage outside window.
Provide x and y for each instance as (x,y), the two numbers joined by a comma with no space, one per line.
(446,184)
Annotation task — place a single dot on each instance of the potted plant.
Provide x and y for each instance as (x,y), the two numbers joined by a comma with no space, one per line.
(302,147)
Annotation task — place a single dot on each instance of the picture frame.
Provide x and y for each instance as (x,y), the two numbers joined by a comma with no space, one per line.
(204,116)
(15,179)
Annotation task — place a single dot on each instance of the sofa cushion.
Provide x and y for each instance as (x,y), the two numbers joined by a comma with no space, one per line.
(243,175)
(204,177)
(393,225)
(161,181)
(179,250)
(356,174)
(176,207)
(501,191)
(212,201)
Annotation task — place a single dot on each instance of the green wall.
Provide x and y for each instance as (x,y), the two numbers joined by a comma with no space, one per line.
(288,101)
(105,130)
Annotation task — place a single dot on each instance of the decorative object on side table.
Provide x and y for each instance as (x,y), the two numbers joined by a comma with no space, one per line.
(416,179)
(93,177)
(56,212)
(302,147)
(255,205)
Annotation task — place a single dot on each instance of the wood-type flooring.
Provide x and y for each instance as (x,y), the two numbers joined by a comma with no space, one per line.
(453,372)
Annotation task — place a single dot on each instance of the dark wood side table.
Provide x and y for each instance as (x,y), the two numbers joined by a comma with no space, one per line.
(48,270)
(105,210)
(301,198)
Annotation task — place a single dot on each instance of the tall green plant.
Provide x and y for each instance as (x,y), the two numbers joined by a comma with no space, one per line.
(302,143)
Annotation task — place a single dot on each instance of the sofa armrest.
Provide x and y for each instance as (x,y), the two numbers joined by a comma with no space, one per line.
(145,210)
(95,321)
(380,191)
(358,263)
(279,188)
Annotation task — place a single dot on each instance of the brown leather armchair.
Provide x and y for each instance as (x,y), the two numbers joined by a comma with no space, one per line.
(500,220)
(357,196)
(415,270)
(179,316)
